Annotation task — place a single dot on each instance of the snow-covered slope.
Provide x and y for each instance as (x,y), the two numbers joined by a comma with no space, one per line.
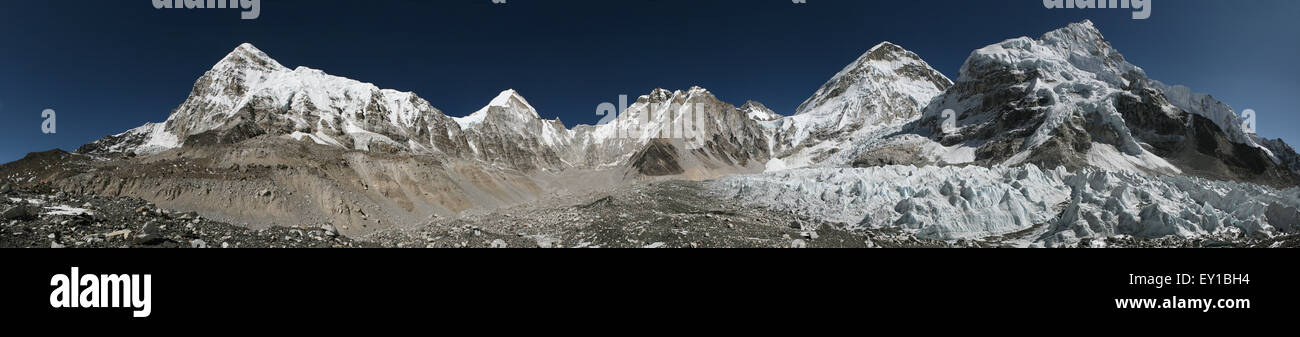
(248,94)
(759,112)
(885,77)
(975,202)
(886,86)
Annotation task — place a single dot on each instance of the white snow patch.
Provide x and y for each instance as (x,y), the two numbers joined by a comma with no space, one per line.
(298,135)
(1107,157)
(956,154)
(67,210)
(29,201)
(364,138)
(775,164)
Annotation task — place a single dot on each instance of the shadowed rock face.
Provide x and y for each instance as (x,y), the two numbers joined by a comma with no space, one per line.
(1196,144)
(890,156)
(659,158)
(1284,152)
(1238,161)
(102,146)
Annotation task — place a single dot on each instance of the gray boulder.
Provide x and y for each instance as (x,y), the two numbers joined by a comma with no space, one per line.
(17,212)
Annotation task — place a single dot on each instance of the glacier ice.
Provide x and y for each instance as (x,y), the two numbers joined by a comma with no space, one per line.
(1046,207)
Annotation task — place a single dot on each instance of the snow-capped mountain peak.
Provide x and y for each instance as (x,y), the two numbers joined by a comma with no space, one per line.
(1088,50)
(884,87)
(1042,100)
(885,67)
(698,90)
(512,98)
(759,112)
(508,100)
(246,53)
(1070,99)
(247,94)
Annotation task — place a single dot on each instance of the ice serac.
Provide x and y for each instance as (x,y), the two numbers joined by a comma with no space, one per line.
(886,86)
(1070,99)
(248,94)
(1025,204)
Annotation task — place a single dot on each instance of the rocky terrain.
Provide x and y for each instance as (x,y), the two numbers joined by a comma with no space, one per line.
(38,217)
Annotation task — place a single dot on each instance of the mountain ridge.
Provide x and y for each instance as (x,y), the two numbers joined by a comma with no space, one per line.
(244,95)
(308,145)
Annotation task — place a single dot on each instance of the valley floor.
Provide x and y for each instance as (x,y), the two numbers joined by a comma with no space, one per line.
(667,214)
(45,219)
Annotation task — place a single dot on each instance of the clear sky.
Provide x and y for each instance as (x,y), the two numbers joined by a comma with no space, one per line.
(108,66)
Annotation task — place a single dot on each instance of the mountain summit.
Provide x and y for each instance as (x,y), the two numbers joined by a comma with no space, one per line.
(508,100)
(885,68)
(885,87)
(248,94)
(1069,98)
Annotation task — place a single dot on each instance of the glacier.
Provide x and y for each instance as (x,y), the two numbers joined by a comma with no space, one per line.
(1044,208)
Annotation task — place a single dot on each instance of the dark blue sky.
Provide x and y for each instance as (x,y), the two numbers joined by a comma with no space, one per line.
(108,66)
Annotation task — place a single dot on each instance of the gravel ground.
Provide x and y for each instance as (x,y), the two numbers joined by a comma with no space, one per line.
(35,219)
(673,214)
